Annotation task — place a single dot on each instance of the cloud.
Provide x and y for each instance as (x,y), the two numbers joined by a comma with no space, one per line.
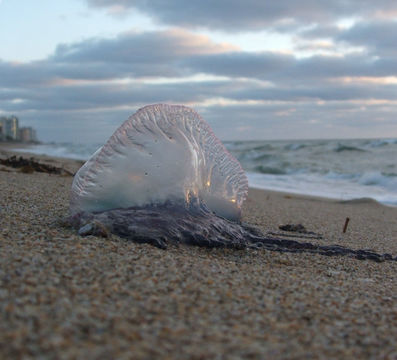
(237,16)
(339,119)
(140,47)
(283,68)
(132,54)
(378,37)
(96,83)
(241,64)
(320,31)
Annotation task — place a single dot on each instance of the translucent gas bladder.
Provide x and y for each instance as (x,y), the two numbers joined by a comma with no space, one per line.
(163,153)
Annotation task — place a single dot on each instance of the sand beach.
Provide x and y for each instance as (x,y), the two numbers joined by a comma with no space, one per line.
(63,296)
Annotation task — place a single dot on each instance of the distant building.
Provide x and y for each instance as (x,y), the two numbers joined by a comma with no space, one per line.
(27,134)
(9,128)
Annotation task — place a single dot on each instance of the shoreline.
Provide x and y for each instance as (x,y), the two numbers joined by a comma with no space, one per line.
(311,210)
(8,150)
(265,201)
(67,163)
(66,296)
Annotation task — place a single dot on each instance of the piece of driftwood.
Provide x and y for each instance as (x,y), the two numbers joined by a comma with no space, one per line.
(346,223)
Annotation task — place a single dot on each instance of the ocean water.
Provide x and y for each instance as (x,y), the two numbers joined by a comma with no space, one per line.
(339,169)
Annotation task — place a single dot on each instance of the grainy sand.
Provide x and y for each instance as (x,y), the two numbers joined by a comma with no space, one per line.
(63,296)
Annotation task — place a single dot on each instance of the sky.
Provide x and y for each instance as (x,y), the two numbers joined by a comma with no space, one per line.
(284,69)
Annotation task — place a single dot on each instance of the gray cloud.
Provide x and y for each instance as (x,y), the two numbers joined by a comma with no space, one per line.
(378,37)
(242,64)
(288,69)
(96,96)
(234,15)
(234,122)
(105,96)
(320,32)
(178,53)
(134,54)
(80,87)
(139,47)
(303,121)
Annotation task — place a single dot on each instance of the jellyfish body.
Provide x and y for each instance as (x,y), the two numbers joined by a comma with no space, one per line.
(163,153)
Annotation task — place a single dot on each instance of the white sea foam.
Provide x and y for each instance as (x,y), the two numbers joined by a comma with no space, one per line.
(315,185)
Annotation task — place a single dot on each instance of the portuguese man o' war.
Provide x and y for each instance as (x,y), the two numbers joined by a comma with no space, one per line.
(164,177)
(162,153)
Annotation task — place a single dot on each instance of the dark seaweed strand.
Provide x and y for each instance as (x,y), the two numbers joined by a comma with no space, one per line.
(283,245)
(30,165)
(175,224)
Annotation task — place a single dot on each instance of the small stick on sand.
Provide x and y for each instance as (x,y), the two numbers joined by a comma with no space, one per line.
(346,223)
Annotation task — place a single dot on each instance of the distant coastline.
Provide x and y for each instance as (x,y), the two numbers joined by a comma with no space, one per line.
(11,145)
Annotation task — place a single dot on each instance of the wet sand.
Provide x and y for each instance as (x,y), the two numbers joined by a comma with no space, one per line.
(63,296)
